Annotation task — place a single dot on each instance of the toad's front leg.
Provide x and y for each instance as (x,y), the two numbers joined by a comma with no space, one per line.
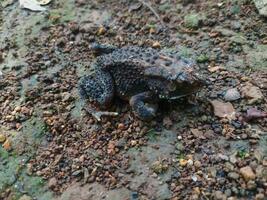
(97,88)
(144,105)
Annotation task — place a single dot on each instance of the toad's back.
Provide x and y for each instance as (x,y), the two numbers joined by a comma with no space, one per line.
(126,66)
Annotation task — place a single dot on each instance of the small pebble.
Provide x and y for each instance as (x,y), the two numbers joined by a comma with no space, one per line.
(183,162)
(156,44)
(52,182)
(259,196)
(197,164)
(121,126)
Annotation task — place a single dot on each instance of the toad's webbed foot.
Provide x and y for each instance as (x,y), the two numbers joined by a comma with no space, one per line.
(98,114)
(140,106)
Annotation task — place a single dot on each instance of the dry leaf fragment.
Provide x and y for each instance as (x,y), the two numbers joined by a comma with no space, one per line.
(254,113)
(32,5)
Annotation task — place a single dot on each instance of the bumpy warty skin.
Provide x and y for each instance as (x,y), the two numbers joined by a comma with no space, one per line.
(139,73)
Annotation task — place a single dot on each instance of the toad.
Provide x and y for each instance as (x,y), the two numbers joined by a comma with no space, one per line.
(141,76)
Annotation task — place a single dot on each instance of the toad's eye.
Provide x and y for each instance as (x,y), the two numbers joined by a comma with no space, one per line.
(172,87)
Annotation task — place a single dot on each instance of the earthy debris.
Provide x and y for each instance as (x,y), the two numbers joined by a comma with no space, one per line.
(52,183)
(232,95)
(214,69)
(261,6)
(247,173)
(2,138)
(223,110)
(252,92)
(254,113)
(198,134)
(7,145)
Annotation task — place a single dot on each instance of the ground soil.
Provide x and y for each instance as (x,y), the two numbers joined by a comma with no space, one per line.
(212,146)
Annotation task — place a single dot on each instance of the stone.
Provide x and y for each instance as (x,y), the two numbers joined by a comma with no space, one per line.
(247,173)
(259,196)
(197,133)
(233,159)
(233,175)
(183,162)
(232,95)
(218,195)
(156,44)
(66,96)
(52,182)
(261,6)
(251,185)
(197,164)
(256,57)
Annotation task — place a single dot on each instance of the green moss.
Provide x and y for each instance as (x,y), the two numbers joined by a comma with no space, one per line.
(185,52)
(3,154)
(235,9)
(202,58)
(242,154)
(192,21)
(165,7)
(151,134)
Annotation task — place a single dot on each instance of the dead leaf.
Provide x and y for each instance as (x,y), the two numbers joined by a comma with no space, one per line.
(223,110)
(251,92)
(32,5)
(254,113)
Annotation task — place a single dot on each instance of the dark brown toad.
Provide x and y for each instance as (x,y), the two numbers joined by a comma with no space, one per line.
(139,75)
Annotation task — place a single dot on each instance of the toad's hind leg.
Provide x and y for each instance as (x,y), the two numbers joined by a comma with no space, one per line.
(140,107)
(98,88)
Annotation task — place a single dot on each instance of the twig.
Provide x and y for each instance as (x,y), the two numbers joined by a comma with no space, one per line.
(153,11)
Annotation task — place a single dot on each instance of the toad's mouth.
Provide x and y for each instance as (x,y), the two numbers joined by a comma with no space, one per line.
(178,97)
(173,97)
